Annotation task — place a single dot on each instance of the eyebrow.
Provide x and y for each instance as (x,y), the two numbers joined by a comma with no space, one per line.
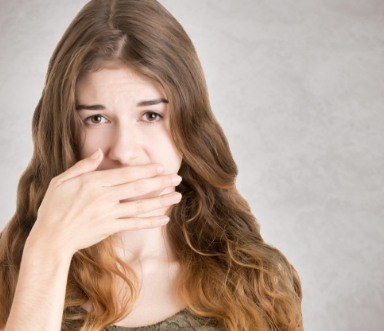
(139,104)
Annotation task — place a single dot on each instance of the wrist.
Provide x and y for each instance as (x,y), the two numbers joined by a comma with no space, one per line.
(41,252)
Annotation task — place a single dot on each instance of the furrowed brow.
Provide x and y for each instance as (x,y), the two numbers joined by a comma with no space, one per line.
(139,104)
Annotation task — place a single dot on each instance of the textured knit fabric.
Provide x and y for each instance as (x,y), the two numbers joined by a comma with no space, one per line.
(183,320)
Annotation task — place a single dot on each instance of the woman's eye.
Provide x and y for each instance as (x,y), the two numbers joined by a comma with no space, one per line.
(152,117)
(98,119)
(95,120)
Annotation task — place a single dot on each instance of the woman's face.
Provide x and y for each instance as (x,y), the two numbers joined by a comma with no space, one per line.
(127,116)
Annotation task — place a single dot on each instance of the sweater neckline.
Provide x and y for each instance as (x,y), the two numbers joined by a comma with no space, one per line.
(168,319)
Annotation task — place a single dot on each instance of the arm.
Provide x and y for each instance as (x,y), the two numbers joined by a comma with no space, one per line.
(89,211)
(40,292)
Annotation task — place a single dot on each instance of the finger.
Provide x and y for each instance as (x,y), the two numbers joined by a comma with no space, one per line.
(134,208)
(142,186)
(139,223)
(118,176)
(81,167)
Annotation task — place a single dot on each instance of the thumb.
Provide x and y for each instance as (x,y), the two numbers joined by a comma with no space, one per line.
(83,166)
(96,155)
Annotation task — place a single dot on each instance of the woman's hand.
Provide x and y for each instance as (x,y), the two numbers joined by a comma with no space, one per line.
(82,206)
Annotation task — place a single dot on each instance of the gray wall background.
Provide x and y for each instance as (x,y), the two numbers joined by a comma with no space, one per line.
(298,87)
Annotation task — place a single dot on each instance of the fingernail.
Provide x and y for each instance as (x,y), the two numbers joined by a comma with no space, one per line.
(176,179)
(96,155)
(176,197)
(164,219)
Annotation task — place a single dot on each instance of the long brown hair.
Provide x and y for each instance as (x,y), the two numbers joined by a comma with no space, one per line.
(228,272)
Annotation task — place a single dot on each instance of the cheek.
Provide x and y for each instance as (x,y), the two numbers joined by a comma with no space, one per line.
(91,140)
(168,154)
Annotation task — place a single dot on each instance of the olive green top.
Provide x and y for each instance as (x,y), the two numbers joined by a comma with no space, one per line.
(183,320)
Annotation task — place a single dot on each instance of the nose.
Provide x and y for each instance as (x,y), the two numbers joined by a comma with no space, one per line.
(124,146)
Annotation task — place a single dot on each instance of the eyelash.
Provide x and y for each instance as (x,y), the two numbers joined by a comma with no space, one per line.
(160,116)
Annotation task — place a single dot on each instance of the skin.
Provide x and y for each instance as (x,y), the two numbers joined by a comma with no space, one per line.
(131,135)
(121,193)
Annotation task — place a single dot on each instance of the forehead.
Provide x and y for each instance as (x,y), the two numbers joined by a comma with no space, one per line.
(115,79)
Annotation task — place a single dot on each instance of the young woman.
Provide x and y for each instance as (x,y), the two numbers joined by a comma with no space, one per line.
(112,241)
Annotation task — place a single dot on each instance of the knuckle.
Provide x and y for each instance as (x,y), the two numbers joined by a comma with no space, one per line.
(107,193)
(139,206)
(132,172)
(54,181)
(147,224)
(82,165)
(144,223)
(89,179)
(85,185)
(134,223)
(81,182)
(163,201)
(138,186)
(167,181)
(146,171)
(94,176)
(136,189)
(110,196)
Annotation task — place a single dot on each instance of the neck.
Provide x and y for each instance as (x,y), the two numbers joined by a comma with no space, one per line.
(143,245)
(146,244)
